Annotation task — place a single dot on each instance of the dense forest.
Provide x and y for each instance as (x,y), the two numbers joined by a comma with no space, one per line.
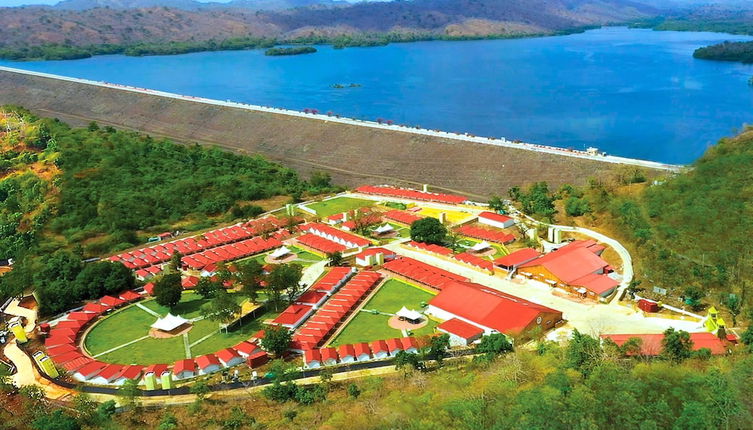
(582,385)
(293,50)
(93,190)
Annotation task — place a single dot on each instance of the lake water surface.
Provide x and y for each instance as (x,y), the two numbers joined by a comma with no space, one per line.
(629,92)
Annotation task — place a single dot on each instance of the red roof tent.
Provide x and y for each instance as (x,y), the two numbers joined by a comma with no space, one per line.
(186,365)
(130,296)
(331,279)
(292,314)
(55,351)
(94,308)
(461,329)
(74,325)
(66,357)
(59,340)
(207,360)
(76,363)
(410,342)
(320,244)
(651,343)
(91,369)
(423,273)
(491,308)
(311,355)
(157,369)
(407,193)
(361,349)
(474,260)
(246,347)
(441,250)
(334,232)
(227,354)
(131,372)
(378,346)
(402,217)
(517,258)
(111,301)
(329,354)
(111,372)
(495,217)
(394,345)
(486,234)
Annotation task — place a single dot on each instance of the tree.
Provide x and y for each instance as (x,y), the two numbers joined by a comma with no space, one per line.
(403,359)
(693,296)
(320,180)
(168,422)
(583,353)
(102,277)
(733,303)
(106,410)
(428,230)
(207,288)
(438,348)
(168,290)
(175,262)
(85,407)
(354,391)
(496,204)
(577,206)
(221,308)
(56,420)
(129,393)
(276,340)
(492,345)
(284,278)
(250,274)
(676,345)
(335,259)
(237,420)
(201,390)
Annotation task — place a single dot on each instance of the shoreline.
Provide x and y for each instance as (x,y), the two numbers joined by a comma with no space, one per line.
(467,137)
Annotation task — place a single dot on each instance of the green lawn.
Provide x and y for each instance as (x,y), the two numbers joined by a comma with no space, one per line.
(121,327)
(391,296)
(133,323)
(338,205)
(305,255)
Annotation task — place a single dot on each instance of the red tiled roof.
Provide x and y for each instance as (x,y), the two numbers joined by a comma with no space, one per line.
(421,272)
(320,244)
(311,297)
(77,363)
(406,193)
(111,301)
(486,234)
(394,344)
(91,369)
(409,342)
(207,360)
(651,343)
(65,356)
(599,284)
(489,308)
(111,372)
(130,296)
(292,314)
(95,308)
(335,276)
(518,257)
(337,233)
(157,369)
(227,354)
(311,355)
(402,217)
(346,350)
(475,261)
(379,346)
(569,263)
(460,328)
(374,251)
(131,372)
(495,217)
(361,349)
(436,249)
(246,347)
(186,365)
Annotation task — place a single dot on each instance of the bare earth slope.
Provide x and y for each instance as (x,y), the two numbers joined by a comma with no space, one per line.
(353,154)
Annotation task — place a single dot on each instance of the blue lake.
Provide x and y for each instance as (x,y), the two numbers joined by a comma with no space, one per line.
(629,92)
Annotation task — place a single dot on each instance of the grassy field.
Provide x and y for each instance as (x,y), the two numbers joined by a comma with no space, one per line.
(500,250)
(338,205)
(391,296)
(133,323)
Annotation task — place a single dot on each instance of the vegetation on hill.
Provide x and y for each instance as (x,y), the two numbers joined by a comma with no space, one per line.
(95,190)
(727,51)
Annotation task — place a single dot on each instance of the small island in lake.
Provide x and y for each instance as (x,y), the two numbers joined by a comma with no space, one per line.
(338,86)
(295,50)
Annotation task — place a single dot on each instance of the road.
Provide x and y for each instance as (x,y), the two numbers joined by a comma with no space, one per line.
(392,127)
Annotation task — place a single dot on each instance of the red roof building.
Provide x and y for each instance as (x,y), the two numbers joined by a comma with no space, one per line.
(95,308)
(111,301)
(90,370)
(246,348)
(229,357)
(461,333)
(496,220)
(131,372)
(430,247)
(407,193)
(184,368)
(208,363)
(362,351)
(486,234)
(651,344)
(401,217)
(349,240)
(293,315)
(329,356)
(130,296)
(516,258)
(422,273)
(320,244)
(379,348)
(157,369)
(475,261)
(491,310)
(394,345)
(575,267)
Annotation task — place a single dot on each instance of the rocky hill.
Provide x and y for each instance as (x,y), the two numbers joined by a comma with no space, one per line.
(23,27)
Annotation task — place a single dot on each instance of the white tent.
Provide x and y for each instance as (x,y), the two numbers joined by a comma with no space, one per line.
(169,323)
(480,246)
(280,252)
(383,229)
(409,314)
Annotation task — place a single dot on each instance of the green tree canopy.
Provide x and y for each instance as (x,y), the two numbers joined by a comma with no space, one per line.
(168,290)
(428,230)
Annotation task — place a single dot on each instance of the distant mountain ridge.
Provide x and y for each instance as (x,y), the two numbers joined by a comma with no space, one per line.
(80,5)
